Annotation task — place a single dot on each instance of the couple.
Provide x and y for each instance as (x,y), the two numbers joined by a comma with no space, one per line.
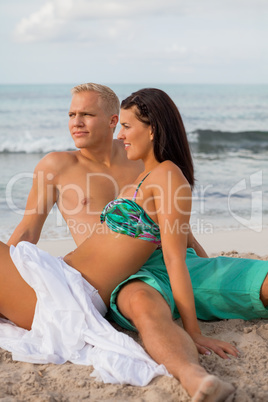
(150,123)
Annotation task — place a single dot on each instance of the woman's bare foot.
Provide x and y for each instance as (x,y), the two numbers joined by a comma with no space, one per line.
(212,389)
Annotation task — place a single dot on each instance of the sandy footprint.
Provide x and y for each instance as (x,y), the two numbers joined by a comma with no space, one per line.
(212,389)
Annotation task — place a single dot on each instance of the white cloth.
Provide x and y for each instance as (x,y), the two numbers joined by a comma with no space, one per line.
(68,327)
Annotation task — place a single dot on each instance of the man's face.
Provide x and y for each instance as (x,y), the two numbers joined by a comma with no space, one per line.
(89,124)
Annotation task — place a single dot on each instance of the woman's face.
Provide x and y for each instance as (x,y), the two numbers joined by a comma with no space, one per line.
(137,136)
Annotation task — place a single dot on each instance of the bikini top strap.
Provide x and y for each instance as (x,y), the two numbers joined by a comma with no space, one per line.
(137,189)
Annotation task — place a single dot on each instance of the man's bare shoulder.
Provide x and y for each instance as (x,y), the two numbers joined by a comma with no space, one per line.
(55,162)
(121,155)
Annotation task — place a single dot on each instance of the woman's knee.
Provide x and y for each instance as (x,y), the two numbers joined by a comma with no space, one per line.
(131,297)
(142,302)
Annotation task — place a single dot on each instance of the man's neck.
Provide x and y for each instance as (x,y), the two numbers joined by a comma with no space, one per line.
(103,154)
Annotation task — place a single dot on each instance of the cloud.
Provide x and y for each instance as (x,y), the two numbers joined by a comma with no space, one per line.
(43,24)
(71,19)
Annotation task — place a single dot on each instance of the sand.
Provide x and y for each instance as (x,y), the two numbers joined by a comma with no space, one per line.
(68,382)
(243,241)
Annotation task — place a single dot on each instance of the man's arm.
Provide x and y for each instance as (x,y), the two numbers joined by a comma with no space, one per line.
(41,199)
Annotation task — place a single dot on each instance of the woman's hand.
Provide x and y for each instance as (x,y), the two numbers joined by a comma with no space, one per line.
(205,345)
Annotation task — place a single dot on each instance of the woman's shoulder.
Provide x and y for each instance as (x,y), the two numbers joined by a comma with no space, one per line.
(168,170)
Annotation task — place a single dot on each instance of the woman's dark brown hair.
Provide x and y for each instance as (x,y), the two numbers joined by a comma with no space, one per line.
(155,108)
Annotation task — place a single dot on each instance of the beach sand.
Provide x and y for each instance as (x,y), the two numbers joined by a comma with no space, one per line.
(68,382)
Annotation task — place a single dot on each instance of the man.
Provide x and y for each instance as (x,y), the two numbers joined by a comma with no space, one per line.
(82,182)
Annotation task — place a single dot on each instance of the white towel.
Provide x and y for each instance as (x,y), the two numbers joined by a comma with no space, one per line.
(68,327)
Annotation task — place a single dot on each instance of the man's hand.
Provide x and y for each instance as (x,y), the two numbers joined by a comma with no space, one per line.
(205,345)
(41,199)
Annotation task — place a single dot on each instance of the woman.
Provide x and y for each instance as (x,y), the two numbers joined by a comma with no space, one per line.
(49,295)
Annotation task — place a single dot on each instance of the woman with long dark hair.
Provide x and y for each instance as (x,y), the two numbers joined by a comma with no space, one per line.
(43,293)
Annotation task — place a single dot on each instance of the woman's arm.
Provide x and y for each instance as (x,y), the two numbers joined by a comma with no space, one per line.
(173,214)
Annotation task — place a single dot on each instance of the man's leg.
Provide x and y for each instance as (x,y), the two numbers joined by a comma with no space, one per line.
(167,343)
(264,292)
(226,287)
(17,298)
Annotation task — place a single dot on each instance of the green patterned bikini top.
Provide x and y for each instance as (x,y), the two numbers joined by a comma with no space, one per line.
(127,217)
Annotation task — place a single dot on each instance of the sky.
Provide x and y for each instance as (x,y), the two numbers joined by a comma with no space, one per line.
(139,41)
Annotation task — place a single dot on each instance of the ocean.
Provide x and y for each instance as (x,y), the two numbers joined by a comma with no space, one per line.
(227,127)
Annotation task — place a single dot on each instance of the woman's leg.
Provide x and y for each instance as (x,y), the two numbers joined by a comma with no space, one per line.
(17,298)
(167,343)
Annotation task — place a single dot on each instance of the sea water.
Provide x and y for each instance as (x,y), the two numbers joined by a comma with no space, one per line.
(227,128)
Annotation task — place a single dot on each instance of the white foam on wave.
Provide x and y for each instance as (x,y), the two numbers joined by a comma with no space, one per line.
(193,137)
(28,144)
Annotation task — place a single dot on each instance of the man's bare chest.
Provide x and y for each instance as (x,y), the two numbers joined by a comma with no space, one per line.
(88,192)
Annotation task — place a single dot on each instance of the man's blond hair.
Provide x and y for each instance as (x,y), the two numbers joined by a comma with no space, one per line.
(109,100)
